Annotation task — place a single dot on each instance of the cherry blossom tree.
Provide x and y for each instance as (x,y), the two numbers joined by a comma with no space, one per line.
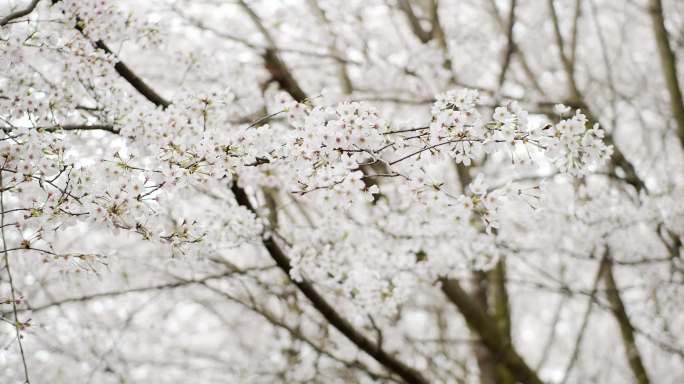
(419,191)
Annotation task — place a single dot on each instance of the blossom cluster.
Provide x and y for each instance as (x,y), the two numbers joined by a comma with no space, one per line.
(572,147)
(163,175)
(327,146)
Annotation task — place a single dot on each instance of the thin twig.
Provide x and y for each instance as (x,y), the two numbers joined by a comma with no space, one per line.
(11,283)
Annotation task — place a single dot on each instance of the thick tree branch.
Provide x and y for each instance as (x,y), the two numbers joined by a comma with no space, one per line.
(137,82)
(329,313)
(281,74)
(668,62)
(275,66)
(422,35)
(495,341)
(326,309)
(124,71)
(19,13)
(577,99)
(626,329)
(80,127)
(492,371)
(500,305)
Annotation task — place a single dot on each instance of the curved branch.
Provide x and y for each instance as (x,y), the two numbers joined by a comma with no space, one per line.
(20,13)
(326,309)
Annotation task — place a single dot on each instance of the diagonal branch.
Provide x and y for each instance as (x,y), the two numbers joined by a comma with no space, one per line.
(517,50)
(618,160)
(326,309)
(124,71)
(668,62)
(626,328)
(391,363)
(510,46)
(422,35)
(19,13)
(490,334)
(276,67)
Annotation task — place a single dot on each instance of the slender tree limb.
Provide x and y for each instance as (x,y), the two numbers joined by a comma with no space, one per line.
(510,46)
(343,74)
(124,71)
(422,35)
(19,13)
(80,127)
(260,47)
(18,326)
(668,62)
(517,50)
(552,333)
(568,66)
(95,296)
(617,307)
(575,32)
(275,66)
(585,320)
(618,160)
(440,37)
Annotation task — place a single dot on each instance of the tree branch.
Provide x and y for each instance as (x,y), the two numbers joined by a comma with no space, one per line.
(329,313)
(510,47)
(668,62)
(585,319)
(326,309)
(481,322)
(124,71)
(422,35)
(19,13)
(95,296)
(275,66)
(576,97)
(626,329)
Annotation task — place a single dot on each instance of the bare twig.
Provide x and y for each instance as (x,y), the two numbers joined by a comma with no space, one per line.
(585,319)
(510,47)
(17,325)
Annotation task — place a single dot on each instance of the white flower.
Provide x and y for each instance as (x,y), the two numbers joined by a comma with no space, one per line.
(561,110)
(501,114)
(478,186)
